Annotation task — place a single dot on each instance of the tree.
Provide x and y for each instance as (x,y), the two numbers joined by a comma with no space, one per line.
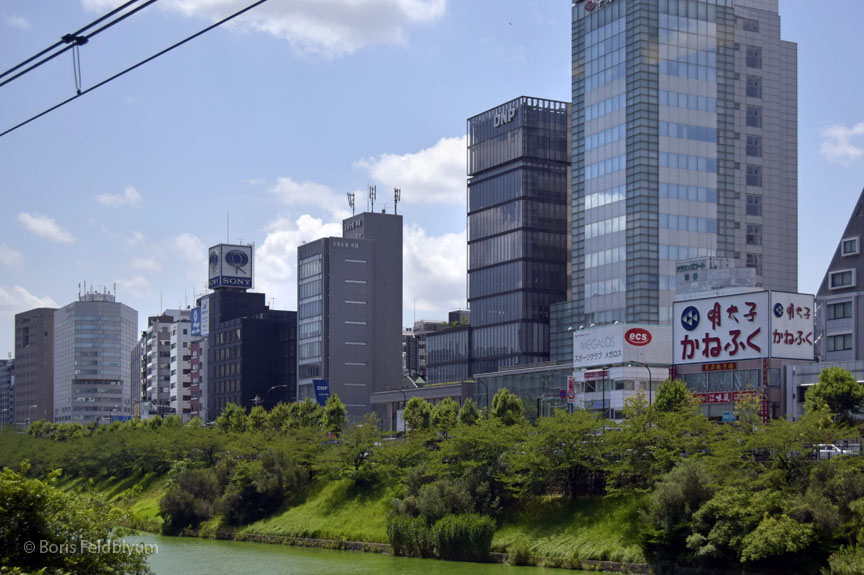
(838,390)
(280,416)
(469,414)
(232,419)
(309,413)
(417,414)
(672,396)
(257,419)
(507,407)
(335,413)
(444,415)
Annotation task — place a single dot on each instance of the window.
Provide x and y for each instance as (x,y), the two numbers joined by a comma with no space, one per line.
(754,146)
(841,342)
(754,116)
(754,57)
(849,247)
(754,205)
(754,235)
(842,310)
(754,176)
(750,25)
(755,261)
(841,279)
(754,87)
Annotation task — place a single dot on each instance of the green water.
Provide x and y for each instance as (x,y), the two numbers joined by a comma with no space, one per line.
(192,556)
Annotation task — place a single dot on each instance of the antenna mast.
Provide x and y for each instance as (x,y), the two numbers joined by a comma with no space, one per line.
(397,195)
(351,201)
(372,198)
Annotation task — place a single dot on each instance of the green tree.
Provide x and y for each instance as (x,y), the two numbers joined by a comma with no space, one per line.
(507,407)
(672,396)
(257,419)
(232,419)
(335,413)
(280,416)
(468,413)
(837,389)
(445,415)
(35,511)
(417,414)
(309,413)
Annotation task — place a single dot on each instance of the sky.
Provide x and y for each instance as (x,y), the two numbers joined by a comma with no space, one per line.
(256,131)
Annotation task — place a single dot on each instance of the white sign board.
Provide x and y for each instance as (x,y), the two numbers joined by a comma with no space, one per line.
(621,344)
(205,316)
(231,266)
(792,325)
(743,326)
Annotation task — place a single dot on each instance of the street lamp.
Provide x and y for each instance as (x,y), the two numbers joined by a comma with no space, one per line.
(650,378)
(541,398)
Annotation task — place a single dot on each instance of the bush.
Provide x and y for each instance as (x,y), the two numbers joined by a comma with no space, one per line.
(846,561)
(464,537)
(189,498)
(520,553)
(410,536)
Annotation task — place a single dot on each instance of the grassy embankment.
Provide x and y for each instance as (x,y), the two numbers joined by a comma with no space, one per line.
(591,528)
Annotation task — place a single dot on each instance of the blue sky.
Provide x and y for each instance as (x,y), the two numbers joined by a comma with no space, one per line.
(274,119)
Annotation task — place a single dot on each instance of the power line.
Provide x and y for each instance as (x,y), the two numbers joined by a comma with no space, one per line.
(73,40)
(133,67)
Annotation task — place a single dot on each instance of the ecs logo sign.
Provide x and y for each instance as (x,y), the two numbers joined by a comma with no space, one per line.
(637,336)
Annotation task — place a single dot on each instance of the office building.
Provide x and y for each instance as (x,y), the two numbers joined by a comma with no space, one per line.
(180,398)
(518,162)
(414,353)
(93,341)
(684,145)
(7,392)
(349,304)
(34,369)
(156,347)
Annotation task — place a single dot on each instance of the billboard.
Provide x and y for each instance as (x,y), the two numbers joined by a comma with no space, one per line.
(205,316)
(322,391)
(231,266)
(743,326)
(621,343)
(195,322)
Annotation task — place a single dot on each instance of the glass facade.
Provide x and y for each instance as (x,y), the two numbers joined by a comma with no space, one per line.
(310,317)
(518,157)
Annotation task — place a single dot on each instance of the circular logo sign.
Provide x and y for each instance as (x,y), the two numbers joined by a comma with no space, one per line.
(637,336)
(589,5)
(236,259)
(778,310)
(214,258)
(690,318)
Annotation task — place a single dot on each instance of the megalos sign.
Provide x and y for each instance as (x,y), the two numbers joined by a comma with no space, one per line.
(620,344)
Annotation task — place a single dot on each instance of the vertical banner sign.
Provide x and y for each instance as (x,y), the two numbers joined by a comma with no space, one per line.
(322,391)
(571,395)
(195,322)
(205,316)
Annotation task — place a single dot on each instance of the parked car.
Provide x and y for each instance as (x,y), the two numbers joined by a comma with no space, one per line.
(829,450)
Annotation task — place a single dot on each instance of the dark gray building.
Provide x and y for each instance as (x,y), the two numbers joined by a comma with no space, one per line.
(518,163)
(684,145)
(34,355)
(349,304)
(7,392)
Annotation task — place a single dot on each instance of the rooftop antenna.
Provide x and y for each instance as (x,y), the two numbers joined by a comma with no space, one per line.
(351,201)
(372,197)
(115,291)
(397,195)
(79,290)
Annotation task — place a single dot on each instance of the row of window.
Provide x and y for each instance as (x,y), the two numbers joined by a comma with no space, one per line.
(842,310)
(513,215)
(688,101)
(604,287)
(607,106)
(614,27)
(684,15)
(840,342)
(510,339)
(687,162)
(515,245)
(309,289)
(541,184)
(607,166)
(691,49)
(754,205)
(754,234)
(512,307)
(617,55)
(517,275)
(604,257)
(607,226)
(605,77)
(309,309)
(692,71)
(688,132)
(688,223)
(308,350)
(311,329)
(230,352)
(673,252)
(601,198)
(754,146)
(308,370)
(691,193)
(608,136)
(841,279)
(309,268)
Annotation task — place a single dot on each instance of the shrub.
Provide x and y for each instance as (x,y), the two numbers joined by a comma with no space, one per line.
(189,498)
(464,537)
(410,536)
(846,561)
(520,553)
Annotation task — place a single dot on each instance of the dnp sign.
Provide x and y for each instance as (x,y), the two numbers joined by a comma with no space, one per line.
(504,117)
(322,391)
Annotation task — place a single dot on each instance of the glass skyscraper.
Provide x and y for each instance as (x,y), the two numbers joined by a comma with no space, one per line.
(684,145)
(518,162)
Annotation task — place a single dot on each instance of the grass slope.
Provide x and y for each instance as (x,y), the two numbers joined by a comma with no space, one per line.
(590,528)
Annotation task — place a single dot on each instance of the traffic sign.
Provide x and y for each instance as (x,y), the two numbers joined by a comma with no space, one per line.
(571,396)
(562,394)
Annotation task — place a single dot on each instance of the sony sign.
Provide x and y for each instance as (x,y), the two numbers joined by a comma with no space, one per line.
(504,117)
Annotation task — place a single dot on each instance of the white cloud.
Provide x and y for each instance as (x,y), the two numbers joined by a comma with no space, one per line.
(135,239)
(150,264)
(17,299)
(190,248)
(432,175)
(129,197)
(433,272)
(311,195)
(45,227)
(330,28)
(10,256)
(16,21)
(276,257)
(837,144)
(137,287)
